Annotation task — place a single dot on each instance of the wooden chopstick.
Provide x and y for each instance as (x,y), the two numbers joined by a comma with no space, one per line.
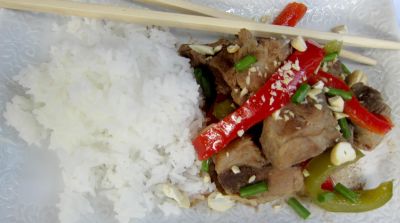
(357,57)
(192,8)
(176,20)
(189,7)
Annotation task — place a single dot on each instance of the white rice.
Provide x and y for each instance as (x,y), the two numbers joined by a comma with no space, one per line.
(119,107)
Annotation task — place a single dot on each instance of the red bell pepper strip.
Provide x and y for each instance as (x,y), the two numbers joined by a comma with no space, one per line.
(275,94)
(358,114)
(328,185)
(291,14)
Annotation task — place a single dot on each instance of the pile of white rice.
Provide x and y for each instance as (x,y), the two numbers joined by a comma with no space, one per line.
(119,107)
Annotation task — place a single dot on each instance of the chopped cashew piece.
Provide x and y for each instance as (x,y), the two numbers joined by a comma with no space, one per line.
(235,169)
(217,48)
(253,69)
(306,173)
(180,197)
(299,44)
(337,127)
(276,206)
(252,179)
(206,178)
(286,118)
(243,92)
(319,85)
(336,104)
(219,202)
(202,49)
(277,115)
(248,80)
(356,77)
(318,106)
(233,48)
(342,29)
(313,93)
(340,115)
(343,152)
(325,67)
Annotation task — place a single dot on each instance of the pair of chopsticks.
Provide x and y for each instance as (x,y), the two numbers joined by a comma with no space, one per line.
(221,25)
(192,8)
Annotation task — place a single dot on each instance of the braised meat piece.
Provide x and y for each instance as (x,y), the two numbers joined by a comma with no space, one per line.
(244,155)
(282,183)
(197,59)
(240,85)
(301,133)
(373,101)
(269,53)
(241,151)
(232,182)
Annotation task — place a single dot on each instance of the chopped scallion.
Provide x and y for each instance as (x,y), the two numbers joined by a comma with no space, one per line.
(344,128)
(346,192)
(346,95)
(298,208)
(205,82)
(330,57)
(253,189)
(345,69)
(325,196)
(205,165)
(301,93)
(333,46)
(245,63)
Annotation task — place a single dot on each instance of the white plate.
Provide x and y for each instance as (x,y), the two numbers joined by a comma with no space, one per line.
(29,177)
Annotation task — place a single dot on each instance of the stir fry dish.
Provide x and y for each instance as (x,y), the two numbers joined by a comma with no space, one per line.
(283,116)
(142,127)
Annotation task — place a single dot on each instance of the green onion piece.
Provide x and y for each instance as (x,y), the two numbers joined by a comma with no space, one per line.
(253,189)
(344,128)
(223,109)
(298,208)
(325,196)
(245,63)
(301,93)
(330,57)
(345,69)
(346,95)
(205,165)
(346,192)
(205,83)
(333,46)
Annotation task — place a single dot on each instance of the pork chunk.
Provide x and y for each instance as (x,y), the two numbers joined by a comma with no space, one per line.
(282,183)
(373,101)
(302,133)
(246,156)
(270,53)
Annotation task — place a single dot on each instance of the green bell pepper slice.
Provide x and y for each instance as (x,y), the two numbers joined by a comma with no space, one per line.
(320,168)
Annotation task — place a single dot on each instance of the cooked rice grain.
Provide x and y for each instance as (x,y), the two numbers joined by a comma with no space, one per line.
(119,107)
